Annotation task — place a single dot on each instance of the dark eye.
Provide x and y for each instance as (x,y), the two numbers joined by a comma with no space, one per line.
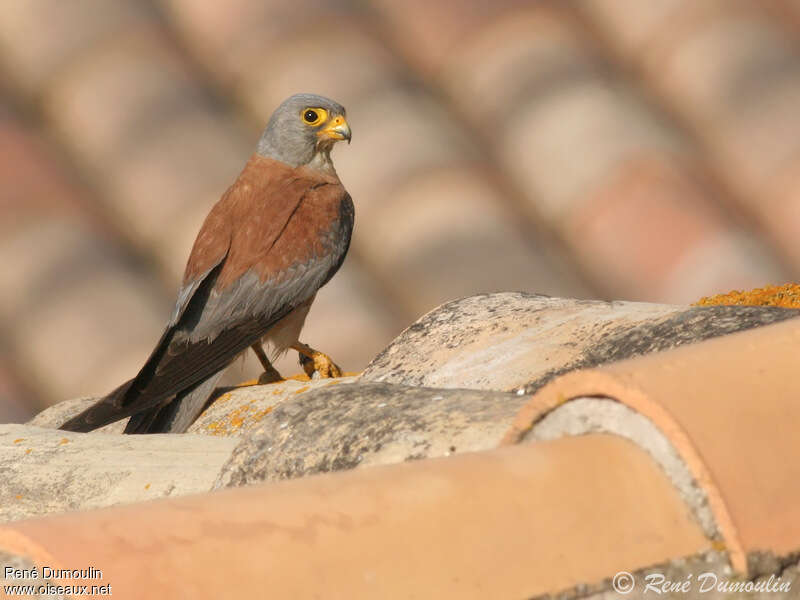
(310,116)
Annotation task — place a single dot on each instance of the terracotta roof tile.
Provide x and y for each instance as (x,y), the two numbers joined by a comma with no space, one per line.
(726,406)
(457,522)
(516,340)
(674,463)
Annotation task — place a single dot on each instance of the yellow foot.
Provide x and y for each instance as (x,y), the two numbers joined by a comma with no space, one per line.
(314,361)
(271,375)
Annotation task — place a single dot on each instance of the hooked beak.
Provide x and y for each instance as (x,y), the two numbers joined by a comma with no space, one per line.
(336,129)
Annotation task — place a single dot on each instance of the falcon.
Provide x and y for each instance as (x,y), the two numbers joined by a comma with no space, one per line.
(276,236)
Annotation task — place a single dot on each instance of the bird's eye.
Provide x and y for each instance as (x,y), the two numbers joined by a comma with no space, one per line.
(314,116)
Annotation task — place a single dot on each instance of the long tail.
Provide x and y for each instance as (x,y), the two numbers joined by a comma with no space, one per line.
(177,415)
(104,411)
(173,416)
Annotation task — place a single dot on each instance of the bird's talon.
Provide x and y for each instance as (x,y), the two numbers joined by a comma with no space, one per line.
(325,366)
(319,366)
(307,364)
(271,375)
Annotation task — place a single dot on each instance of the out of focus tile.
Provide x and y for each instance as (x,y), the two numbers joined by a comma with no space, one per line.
(303,64)
(444,234)
(238,40)
(515,59)
(184,167)
(732,71)
(38,37)
(634,23)
(108,100)
(729,260)
(430,31)
(152,139)
(16,405)
(397,133)
(32,185)
(654,223)
(64,277)
(561,147)
(569,130)
(75,315)
(780,208)
(739,78)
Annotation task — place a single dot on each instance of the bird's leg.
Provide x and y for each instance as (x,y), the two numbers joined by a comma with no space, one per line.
(270,374)
(313,360)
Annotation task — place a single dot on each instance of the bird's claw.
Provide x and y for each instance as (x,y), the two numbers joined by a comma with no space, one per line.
(270,375)
(319,365)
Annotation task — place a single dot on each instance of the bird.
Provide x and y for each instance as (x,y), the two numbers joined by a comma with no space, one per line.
(275,237)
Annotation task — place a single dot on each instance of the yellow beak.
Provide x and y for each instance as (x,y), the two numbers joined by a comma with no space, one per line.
(336,129)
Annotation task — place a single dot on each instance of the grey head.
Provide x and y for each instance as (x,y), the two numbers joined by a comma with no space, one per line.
(302,131)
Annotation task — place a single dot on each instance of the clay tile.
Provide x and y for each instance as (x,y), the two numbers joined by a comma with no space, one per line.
(507,523)
(729,408)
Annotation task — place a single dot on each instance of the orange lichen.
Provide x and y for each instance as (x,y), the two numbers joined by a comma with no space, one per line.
(257,416)
(18,440)
(299,377)
(786,296)
(237,419)
(147,487)
(719,545)
(28,451)
(247,383)
(214,428)
(301,390)
(223,398)
(63,441)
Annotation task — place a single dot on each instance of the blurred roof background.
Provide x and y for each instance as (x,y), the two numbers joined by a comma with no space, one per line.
(592,148)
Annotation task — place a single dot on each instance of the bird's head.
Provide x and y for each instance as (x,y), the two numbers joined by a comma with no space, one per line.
(302,131)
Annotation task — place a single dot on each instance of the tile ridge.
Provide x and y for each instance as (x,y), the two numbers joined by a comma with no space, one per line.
(617,387)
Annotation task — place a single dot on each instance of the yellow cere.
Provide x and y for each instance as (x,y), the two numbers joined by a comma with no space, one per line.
(314,116)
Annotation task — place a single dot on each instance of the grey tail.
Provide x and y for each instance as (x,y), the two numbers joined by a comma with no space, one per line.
(177,415)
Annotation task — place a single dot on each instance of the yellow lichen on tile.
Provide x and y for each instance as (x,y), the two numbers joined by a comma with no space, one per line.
(785,296)
(215,428)
(237,418)
(248,383)
(298,377)
(256,417)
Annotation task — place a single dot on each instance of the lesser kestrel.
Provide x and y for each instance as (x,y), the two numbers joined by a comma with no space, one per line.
(276,236)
